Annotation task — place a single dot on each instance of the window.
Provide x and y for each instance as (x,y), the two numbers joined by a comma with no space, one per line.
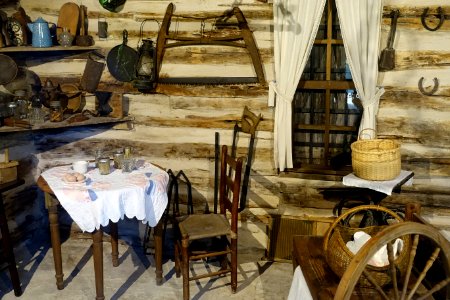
(326,112)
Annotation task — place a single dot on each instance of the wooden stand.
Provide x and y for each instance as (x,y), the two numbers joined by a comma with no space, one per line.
(8,169)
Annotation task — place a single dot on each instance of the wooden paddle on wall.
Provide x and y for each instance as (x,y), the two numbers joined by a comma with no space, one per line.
(387,56)
(69,15)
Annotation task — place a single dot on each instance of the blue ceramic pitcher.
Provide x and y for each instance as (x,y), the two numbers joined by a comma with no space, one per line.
(41,36)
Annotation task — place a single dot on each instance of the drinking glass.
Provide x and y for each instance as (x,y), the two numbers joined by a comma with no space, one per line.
(128,164)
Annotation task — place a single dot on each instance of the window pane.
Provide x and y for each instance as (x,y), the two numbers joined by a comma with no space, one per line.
(343,111)
(340,142)
(322,31)
(309,108)
(336,28)
(338,62)
(308,148)
(315,67)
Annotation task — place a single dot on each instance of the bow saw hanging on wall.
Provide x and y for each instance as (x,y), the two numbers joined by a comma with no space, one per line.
(240,37)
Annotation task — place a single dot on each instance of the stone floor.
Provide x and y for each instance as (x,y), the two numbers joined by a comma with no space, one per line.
(134,278)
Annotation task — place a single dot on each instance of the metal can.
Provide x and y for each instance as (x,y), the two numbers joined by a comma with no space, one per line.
(104,166)
(118,158)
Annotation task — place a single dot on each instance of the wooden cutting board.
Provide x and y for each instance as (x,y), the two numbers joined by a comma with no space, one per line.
(69,15)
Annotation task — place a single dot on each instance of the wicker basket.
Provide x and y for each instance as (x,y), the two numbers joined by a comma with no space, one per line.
(338,256)
(376,159)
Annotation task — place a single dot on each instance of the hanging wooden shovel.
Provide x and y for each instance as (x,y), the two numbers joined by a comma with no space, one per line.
(387,56)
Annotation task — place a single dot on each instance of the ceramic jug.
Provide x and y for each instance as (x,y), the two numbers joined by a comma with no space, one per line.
(40,30)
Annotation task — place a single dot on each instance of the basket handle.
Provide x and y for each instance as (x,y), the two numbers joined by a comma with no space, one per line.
(352,211)
(367,134)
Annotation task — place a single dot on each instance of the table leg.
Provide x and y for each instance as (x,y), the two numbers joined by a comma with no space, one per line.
(52,207)
(114,243)
(97,249)
(8,250)
(157,235)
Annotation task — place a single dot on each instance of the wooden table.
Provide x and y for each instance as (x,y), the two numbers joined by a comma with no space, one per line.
(6,238)
(51,203)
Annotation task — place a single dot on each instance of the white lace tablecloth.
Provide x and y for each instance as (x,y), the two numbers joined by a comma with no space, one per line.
(385,187)
(91,204)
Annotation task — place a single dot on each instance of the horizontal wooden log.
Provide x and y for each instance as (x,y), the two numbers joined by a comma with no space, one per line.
(432,134)
(407,60)
(413,99)
(409,9)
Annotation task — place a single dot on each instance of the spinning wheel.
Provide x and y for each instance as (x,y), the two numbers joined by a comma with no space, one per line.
(426,241)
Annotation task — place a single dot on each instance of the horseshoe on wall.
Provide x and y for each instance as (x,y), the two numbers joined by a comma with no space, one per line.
(441,19)
(433,90)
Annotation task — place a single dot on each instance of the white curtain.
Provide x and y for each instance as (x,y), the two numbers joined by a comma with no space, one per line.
(295,27)
(360,22)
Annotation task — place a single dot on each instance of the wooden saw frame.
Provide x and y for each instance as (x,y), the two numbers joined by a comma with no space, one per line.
(242,39)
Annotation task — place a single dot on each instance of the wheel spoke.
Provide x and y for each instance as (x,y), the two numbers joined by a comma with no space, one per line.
(375,284)
(436,288)
(424,272)
(390,252)
(412,255)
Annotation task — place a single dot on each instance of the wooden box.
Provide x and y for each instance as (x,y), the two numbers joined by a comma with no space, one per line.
(8,171)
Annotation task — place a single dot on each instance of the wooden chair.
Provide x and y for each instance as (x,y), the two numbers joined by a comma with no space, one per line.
(195,229)
(172,211)
(171,199)
(248,125)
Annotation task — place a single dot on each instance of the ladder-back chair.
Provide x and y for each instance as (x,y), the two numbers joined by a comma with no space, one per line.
(248,124)
(197,228)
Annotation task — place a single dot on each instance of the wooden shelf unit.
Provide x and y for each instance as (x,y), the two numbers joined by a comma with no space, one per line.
(48,49)
(66,124)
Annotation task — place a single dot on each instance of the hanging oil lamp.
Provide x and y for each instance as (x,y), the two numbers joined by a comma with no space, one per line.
(145,68)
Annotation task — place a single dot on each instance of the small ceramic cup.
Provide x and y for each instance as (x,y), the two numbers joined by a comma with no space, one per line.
(80,166)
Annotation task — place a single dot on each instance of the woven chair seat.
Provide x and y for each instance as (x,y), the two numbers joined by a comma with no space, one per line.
(204,226)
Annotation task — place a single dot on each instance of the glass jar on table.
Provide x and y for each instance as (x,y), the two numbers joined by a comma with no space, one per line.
(56,111)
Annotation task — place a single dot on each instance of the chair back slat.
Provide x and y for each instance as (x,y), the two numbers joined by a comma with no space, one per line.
(230,186)
(248,124)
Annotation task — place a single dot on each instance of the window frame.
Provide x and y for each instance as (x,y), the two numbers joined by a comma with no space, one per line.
(329,86)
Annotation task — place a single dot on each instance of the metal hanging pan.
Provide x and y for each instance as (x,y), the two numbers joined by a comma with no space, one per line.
(122,60)
(9,69)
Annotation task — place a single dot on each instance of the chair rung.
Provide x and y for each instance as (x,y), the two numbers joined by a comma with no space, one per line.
(200,256)
(217,273)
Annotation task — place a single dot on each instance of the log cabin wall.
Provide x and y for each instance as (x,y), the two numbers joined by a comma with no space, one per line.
(175,127)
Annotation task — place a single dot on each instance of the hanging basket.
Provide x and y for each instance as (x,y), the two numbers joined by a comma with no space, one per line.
(376,159)
(338,256)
